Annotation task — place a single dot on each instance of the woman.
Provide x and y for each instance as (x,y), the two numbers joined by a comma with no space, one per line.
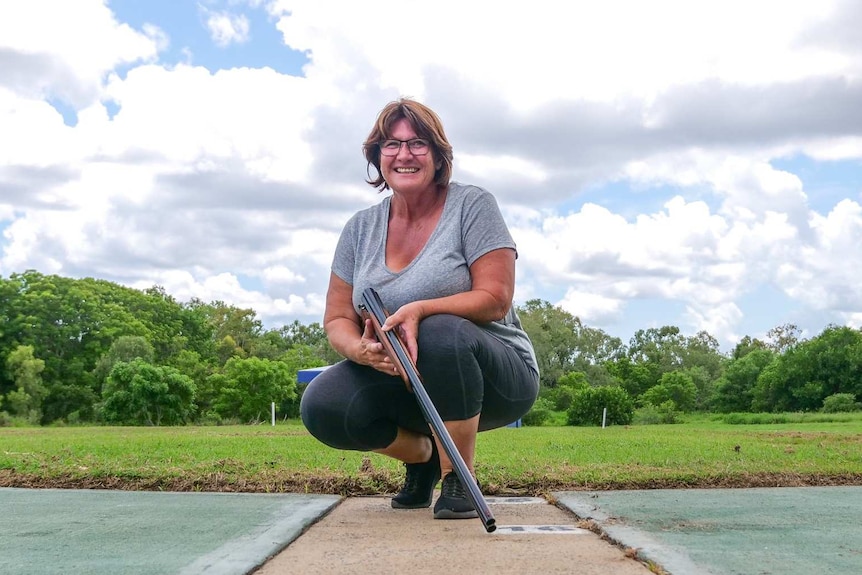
(442,260)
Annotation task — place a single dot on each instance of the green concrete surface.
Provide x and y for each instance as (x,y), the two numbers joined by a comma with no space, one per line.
(761,531)
(786,531)
(84,532)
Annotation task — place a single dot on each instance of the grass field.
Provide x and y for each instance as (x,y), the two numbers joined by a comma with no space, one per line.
(527,460)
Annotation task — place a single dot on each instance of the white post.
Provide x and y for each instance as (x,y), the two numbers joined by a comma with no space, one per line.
(273,414)
(604,417)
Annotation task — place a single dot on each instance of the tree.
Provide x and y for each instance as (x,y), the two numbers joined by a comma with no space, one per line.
(138,393)
(314,336)
(190,364)
(250,385)
(836,361)
(173,327)
(783,337)
(552,331)
(771,392)
(236,331)
(675,386)
(72,324)
(25,371)
(564,344)
(735,389)
(124,348)
(561,396)
(658,350)
(633,377)
(745,346)
(704,362)
(809,371)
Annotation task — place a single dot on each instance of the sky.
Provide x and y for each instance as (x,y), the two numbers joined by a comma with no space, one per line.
(696,164)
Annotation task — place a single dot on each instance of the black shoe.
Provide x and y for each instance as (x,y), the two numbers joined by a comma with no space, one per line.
(419,484)
(453,502)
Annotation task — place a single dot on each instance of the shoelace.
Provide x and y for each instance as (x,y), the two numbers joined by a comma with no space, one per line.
(452,488)
(411,479)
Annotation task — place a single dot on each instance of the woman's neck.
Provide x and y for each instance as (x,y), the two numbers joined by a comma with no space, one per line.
(416,206)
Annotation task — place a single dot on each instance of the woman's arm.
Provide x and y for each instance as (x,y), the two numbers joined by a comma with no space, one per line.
(347,333)
(493,279)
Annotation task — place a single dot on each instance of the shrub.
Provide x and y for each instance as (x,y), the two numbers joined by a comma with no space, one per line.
(841,403)
(539,413)
(561,398)
(567,385)
(588,405)
(655,414)
(773,418)
(139,393)
(675,386)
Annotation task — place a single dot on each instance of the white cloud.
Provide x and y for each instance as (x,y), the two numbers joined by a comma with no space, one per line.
(194,118)
(591,307)
(501,168)
(196,180)
(226,28)
(597,50)
(719,321)
(824,273)
(58,48)
(226,287)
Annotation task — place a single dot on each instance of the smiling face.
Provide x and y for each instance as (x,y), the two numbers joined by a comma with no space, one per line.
(406,172)
(398,120)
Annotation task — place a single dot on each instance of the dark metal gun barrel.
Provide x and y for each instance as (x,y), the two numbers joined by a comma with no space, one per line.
(373,305)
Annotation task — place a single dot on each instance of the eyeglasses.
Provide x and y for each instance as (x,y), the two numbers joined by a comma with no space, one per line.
(416,146)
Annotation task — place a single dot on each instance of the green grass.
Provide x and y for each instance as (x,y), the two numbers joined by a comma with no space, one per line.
(529,460)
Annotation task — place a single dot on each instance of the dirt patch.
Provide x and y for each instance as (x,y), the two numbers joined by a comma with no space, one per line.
(382,483)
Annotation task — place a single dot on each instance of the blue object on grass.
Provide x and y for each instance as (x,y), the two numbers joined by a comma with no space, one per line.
(306,375)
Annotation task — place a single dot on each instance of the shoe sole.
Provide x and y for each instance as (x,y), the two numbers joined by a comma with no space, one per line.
(396,505)
(450,514)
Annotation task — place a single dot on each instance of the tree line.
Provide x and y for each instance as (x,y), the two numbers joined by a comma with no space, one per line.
(89,350)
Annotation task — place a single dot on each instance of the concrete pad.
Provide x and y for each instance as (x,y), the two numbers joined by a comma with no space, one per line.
(365,535)
(51,531)
(793,530)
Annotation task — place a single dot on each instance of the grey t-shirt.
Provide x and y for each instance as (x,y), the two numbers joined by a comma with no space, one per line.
(470,226)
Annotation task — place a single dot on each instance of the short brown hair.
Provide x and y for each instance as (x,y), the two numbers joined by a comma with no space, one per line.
(427,125)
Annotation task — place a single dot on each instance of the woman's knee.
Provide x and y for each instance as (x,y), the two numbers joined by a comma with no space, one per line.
(342,413)
(441,335)
(314,412)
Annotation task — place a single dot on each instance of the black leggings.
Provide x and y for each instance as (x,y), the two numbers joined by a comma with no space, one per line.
(465,370)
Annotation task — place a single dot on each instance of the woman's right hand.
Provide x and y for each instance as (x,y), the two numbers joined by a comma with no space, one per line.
(372,352)
(342,325)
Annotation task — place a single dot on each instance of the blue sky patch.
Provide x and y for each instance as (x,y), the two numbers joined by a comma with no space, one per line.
(623,199)
(70,115)
(641,313)
(190,40)
(825,182)
(764,308)
(251,283)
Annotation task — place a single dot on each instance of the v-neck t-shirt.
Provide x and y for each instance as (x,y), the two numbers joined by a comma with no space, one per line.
(469,227)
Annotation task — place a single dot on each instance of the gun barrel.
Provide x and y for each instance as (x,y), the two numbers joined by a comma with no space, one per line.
(374,306)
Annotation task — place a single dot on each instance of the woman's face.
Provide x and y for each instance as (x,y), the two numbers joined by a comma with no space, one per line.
(406,171)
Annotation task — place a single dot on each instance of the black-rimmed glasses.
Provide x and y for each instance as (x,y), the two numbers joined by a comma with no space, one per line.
(416,146)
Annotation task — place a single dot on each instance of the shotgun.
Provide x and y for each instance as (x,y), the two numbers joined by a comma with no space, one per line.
(372,308)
